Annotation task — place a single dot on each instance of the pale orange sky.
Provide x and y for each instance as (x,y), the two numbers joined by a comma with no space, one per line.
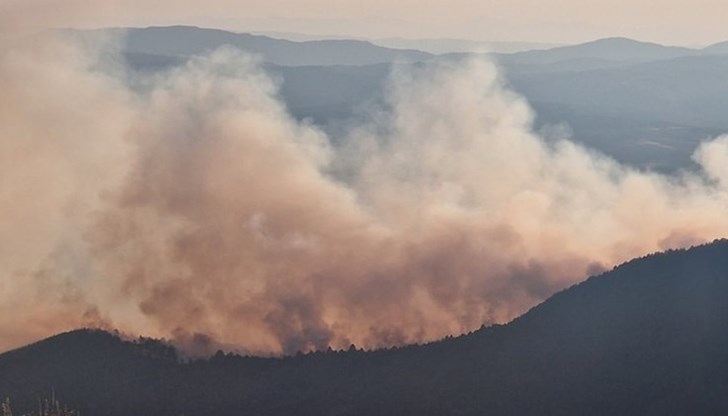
(665,21)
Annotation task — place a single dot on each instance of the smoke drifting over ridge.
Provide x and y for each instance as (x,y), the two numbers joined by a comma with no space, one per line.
(199,210)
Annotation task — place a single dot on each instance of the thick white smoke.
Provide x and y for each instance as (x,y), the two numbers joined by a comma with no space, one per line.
(199,210)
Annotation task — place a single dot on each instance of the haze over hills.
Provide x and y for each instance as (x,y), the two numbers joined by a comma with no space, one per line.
(184,41)
(189,40)
(609,49)
(443,46)
(434,46)
(641,103)
(652,113)
(649,337)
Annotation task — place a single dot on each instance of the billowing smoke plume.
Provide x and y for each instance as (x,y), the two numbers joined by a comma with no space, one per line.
(197,209)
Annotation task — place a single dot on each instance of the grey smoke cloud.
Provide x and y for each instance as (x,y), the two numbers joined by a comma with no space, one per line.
(201,211)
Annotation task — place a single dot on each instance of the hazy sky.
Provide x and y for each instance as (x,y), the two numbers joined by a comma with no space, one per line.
(665,21)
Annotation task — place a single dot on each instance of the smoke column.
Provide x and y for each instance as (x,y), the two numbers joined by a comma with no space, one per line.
(199,210)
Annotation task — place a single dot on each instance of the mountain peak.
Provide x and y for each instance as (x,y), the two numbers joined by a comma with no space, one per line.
(618,49)
(719,48)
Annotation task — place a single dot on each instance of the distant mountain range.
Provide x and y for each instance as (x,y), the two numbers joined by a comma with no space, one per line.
(434,46)
(647,114)
(185,41)
(643,104)
(609,49)
(616,49)
(442,46)
(647,338)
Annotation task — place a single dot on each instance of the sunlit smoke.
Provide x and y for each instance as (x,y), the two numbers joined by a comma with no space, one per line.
(199,210)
